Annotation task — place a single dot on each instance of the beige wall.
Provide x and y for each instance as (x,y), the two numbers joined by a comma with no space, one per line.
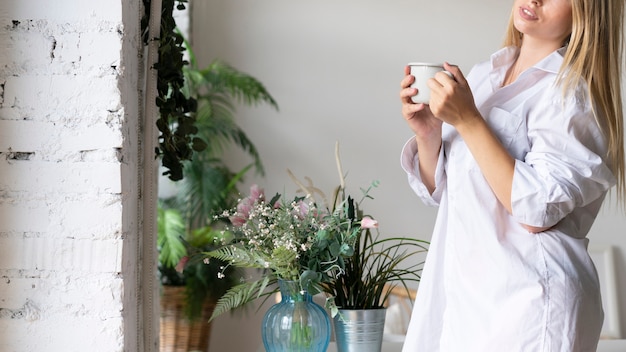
(334,67)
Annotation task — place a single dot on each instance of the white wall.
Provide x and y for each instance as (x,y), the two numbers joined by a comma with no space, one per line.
(69,105)
(334,67)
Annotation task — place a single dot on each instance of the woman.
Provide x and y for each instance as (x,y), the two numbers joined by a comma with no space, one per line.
(519,157)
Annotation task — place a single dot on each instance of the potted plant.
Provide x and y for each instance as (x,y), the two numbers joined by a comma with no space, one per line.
(189,287)
(186,227)
(360,294)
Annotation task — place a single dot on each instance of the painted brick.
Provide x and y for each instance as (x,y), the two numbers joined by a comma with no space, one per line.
(60,254)
(42,47)
(38,97)
(62,10)
(54,51)
(26,50)
(68,175)
(46,137)
(24,217)
(99,217)
(97,49)
(54,178)
(80,217)
(55,318)
(64,333)
(60,291)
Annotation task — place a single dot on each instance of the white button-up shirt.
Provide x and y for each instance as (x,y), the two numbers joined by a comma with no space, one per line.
(488,284)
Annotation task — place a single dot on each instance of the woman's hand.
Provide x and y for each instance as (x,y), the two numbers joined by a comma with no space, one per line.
(427,129)
(418,116)
(451,99)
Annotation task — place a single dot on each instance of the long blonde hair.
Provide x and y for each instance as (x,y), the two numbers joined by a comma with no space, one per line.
(594,53)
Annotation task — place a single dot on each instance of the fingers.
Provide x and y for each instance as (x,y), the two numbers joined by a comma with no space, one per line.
(456,72)
(408,78)
(408,106)
(406,92)
(447,81)
(410,111)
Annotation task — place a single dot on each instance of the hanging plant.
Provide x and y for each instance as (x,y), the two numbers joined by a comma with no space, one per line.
(196,105)
(176,122)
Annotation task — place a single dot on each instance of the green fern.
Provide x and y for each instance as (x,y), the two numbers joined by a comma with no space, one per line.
(242,294)
(237,256)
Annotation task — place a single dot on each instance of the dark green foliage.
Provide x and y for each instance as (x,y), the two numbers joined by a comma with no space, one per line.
(177,121)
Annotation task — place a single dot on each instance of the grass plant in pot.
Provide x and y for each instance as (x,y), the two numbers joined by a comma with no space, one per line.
(185,221)
(358,296)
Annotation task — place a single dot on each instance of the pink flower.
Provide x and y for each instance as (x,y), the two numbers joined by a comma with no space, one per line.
(303,209)
(256,193)
(237,220)
(246,205)
(181,264)
(368,223)
(243,211)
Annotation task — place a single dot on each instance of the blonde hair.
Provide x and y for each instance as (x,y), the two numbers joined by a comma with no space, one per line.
(594,53)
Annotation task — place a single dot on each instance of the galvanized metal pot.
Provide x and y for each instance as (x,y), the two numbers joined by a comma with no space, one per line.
(359,330)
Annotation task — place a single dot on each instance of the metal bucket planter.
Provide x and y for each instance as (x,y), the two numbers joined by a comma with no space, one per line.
(359,330)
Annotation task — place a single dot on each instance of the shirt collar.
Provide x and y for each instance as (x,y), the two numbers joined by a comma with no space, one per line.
(553,62)
(502,59)
(505,57)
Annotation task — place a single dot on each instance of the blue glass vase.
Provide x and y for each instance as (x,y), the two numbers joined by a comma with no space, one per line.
(296,323)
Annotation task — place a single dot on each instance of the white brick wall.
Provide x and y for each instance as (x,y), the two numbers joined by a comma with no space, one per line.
(69,146)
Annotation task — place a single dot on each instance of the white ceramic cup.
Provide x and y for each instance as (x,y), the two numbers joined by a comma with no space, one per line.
(423,72)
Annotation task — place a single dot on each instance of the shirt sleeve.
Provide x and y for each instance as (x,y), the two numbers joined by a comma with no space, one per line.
(410,163)
(565,167)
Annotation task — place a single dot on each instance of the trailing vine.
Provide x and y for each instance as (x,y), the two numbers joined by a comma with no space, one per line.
(177,120)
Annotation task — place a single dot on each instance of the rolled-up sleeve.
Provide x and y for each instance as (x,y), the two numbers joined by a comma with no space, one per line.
(410,163)
(564,168)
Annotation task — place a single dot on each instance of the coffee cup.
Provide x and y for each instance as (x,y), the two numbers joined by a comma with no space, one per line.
(423,72)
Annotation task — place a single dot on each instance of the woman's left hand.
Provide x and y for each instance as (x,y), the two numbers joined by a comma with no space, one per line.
(451,99)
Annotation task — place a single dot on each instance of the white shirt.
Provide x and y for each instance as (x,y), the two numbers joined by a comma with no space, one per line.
(488,284)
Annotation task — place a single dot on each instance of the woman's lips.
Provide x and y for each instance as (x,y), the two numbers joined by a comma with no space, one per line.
(527,14)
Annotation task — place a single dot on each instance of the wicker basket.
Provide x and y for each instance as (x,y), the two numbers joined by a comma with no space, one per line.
(178,333)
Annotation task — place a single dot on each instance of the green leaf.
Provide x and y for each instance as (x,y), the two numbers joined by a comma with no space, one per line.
(171,231)
(242,294)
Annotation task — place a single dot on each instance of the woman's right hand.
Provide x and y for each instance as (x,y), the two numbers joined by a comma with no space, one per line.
(427,129)
(418,116)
